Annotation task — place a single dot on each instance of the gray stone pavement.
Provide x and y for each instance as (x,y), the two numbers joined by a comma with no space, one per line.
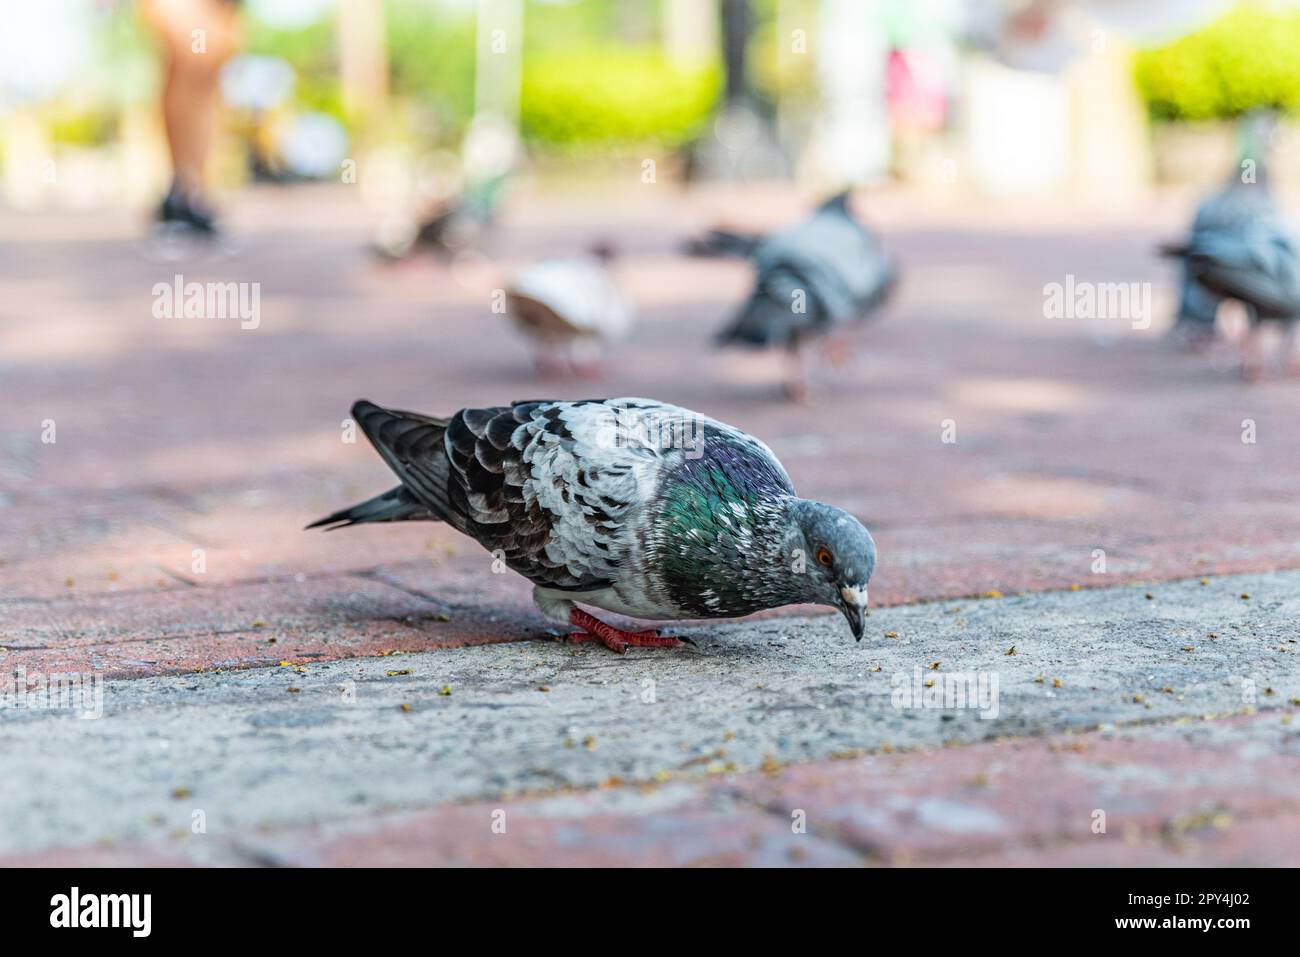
(362,737)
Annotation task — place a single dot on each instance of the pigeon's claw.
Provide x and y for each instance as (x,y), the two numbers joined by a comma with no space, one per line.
(615,639)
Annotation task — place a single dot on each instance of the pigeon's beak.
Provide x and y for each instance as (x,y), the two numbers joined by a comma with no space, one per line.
(854,606)
(857,616)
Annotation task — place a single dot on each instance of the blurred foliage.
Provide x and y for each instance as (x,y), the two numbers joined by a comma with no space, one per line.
(594,74)
(590,73)
(119,71)
(84,125)
(587,23)
(1248,58)
(431,66)
(312,52)
(777,70)
(614,97)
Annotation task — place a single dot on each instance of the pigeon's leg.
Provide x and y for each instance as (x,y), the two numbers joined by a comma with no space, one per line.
(796,374)
(839,351)
(615,639)
(1252,349)
(586,360)
(1292,348)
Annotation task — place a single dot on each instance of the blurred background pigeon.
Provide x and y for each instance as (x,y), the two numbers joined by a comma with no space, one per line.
(814,279)
(457,206)
(452,224)
(724,242)
(570,310)
(1241,249)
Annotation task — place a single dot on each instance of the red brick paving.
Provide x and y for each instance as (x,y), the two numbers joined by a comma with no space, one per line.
(118,855)
(176,435)
(181,628)
(986,798)
(182,434)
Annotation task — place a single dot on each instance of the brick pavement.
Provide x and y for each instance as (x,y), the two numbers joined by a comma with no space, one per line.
(175,435)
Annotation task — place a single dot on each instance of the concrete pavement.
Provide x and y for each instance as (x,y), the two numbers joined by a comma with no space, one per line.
(338,747)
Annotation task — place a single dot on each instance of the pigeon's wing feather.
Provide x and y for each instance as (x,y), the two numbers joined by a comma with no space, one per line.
(579,296)
(724,242)
(411,445)
(1234,208)
(553,489)
(1238,249)
(585,471)
(828,269)
(1259,266)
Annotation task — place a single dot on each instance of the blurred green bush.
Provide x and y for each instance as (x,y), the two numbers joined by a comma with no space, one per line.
(311,50)
(614,97)
(1248,58)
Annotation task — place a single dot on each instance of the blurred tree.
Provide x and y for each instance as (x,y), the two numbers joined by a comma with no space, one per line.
(431,50)
(1249,58)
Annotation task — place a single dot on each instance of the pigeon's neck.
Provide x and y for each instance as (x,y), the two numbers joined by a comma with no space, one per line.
(769,572)
(735,559)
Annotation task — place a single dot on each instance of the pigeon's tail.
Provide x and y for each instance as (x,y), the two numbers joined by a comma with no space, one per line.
(1174,250)
(413,447)
(395,505)
(838,203)
(1254,266)
(723,242)
(763,322)
(884,292)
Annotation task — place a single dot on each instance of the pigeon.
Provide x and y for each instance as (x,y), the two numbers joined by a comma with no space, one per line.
(570,309)
(629,505)
(1240,248)
(724,242)
(814,279)
(452,225)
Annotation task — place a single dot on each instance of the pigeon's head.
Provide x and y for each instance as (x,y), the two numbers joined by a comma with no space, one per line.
(840,559)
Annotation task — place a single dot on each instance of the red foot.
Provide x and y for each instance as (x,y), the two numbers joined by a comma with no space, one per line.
(839,353)
(613,638)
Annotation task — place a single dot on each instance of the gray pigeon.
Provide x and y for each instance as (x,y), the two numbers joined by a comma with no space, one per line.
(814,278)
(1240,248)
(630,505)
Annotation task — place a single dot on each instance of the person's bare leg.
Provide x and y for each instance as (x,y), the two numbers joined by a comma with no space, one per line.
(198,37)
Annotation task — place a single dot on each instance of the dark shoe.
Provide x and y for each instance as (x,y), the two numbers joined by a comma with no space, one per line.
(178,208)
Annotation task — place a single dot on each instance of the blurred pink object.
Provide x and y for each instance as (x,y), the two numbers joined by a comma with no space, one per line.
(915,91)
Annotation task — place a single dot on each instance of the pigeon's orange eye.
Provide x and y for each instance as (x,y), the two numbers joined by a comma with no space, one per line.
(824,557)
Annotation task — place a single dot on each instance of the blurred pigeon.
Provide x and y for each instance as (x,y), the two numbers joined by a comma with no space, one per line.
(724,242)
(453,224)
(630,505)
(569,309)
(1240,248)
(814,279)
